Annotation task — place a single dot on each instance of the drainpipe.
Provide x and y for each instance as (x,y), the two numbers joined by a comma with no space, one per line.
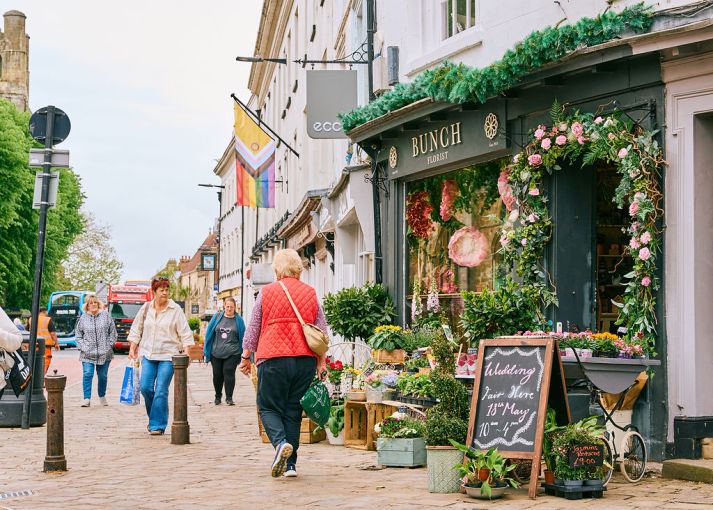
(370,29)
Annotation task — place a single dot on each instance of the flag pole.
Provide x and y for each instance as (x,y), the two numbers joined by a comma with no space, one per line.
(262,123)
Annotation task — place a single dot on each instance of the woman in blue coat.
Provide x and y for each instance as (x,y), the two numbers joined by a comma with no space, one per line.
(223,348)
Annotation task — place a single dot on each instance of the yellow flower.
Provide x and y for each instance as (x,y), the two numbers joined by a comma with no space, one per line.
(387,327)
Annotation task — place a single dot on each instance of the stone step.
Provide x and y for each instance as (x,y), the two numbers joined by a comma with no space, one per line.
(700,470)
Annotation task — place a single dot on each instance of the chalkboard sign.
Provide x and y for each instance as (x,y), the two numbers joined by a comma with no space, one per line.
(586,455)
(514,380)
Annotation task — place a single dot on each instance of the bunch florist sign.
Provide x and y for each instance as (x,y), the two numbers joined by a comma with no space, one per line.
(434,144)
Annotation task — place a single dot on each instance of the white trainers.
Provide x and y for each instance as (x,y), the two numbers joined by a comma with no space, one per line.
(102,401)
(86,402)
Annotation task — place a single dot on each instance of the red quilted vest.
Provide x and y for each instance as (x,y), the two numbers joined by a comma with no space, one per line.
(281,332)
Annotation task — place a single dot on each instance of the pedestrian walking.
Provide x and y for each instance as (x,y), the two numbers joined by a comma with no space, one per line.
(223,347)
(96,334)
(160,331)
(10,341)
(46,330)
(286,365)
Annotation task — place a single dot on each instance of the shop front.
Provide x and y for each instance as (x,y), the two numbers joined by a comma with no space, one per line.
(457,224)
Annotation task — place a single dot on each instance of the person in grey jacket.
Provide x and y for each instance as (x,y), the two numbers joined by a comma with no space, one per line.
(10,341)
(96,334)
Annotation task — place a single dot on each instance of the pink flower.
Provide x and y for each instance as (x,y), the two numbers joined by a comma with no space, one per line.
(577,129)
(623,153)
(516,158)
(611,136)
(632,174)
(634,244)
(449,193)
(646,281)
(635,226)
(534,160)
(598,120)
(633,208)
(644,254)
(534,192)
(540,132)
(563,126)
(523,241)
(561,140)
(505,190)
(504,240)
(468,247)
(645,237)
(581,140)
(546,143)
(532,218)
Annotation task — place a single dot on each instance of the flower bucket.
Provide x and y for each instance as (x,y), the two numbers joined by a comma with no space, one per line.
(441,475)
(374,396)
(335,440)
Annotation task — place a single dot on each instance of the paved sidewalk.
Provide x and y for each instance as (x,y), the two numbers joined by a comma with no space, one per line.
(113,463)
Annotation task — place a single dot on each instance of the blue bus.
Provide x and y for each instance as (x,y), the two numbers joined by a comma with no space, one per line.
(65,307)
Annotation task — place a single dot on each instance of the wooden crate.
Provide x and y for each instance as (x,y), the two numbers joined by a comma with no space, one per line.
(401,452)
(359,421)
(397,356)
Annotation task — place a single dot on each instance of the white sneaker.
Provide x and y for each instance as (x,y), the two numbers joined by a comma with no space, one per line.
(102,401)
(86,402)
(291,471)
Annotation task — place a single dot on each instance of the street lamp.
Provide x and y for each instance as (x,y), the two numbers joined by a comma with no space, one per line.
(220,211)
(260,59)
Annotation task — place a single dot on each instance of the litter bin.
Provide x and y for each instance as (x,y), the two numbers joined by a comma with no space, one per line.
(11,406)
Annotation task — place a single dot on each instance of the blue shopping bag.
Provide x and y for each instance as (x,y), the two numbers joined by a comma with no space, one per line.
(130,390)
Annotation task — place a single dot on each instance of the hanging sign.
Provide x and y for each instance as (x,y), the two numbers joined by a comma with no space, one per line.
(329,93)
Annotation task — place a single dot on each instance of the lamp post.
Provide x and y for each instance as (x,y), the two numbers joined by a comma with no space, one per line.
(220,212)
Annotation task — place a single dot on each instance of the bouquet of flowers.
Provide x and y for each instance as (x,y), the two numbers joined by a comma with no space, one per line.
(335,369)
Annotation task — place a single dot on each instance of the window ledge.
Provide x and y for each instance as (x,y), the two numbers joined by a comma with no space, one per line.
(466,40)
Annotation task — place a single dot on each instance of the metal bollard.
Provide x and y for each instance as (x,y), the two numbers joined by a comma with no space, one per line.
(54,460)
(180,431)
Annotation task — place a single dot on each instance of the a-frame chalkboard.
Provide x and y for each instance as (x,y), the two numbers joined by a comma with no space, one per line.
(516,379)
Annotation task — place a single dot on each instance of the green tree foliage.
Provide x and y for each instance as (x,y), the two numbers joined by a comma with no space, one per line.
(356,311)
(19,222)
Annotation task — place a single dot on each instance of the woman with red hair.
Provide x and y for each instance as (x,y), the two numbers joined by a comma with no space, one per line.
(160,331)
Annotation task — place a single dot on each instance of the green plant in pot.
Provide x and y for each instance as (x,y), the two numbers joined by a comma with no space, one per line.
(584,432)
(335,423)
(551,431)
(355,312)
(485,470)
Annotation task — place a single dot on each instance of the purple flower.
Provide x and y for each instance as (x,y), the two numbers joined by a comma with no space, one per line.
(598,120)
(523,241)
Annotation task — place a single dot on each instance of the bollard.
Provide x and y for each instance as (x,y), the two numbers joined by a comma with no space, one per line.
(180,432)
(54,460)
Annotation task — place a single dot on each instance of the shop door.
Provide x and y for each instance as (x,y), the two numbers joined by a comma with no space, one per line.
(571,253)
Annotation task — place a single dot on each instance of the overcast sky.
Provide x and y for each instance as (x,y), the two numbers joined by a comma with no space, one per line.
(147,87)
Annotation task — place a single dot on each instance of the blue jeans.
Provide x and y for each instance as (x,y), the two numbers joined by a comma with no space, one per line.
(88,375)
(155,379)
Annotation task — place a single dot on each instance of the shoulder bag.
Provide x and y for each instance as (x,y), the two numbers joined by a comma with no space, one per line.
(317,340)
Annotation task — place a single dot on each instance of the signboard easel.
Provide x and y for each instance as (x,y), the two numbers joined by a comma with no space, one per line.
(516,379)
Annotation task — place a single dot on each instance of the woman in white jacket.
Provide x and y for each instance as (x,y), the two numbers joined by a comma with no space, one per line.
(10,341)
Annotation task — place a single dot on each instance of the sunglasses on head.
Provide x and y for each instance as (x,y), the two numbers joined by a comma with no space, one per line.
(160,279)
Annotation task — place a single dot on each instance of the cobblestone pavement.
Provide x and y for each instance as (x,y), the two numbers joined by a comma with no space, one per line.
(113,463)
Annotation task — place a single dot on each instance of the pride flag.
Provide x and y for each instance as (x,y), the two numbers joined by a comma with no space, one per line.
(254,162)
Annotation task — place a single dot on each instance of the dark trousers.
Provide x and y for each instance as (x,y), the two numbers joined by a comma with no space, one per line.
(282,382)
(224,373)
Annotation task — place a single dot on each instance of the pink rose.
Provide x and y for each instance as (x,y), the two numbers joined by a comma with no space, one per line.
(633,208)
(611,136)
(646,281)
(532,218)
(504,240)
(523,242)
(577,129)
(644,254)
(581,140)
(546,143)
(623,153)
(534,160)
(563,126)
(635,226)
(634,244)
(598,120)
(534,192)
(539,133)
(516,158)
(561,140)
(645,237)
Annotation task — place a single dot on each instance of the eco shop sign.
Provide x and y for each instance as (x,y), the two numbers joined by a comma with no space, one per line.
(447,139)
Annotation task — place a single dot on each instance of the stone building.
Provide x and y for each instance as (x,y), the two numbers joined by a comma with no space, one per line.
(14,61)
(198,278)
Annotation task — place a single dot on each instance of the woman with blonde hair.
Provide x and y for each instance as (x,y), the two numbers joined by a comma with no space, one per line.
(286,365)
(96,334)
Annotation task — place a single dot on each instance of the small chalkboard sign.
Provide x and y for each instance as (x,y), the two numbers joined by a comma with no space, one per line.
(515,379)
(586,455)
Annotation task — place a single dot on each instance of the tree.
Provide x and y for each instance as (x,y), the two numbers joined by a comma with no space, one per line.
(90,258)
(19,222)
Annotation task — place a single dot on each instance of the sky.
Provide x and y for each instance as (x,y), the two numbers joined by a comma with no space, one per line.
(146,85)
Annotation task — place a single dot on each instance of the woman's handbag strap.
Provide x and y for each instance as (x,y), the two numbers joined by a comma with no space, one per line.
(287,293)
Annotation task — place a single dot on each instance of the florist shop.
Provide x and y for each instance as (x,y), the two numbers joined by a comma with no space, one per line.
(537,209)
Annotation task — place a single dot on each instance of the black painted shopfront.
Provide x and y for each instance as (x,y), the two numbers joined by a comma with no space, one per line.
(583,258)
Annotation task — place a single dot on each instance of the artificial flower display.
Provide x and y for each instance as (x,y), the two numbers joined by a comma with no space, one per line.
(468,247)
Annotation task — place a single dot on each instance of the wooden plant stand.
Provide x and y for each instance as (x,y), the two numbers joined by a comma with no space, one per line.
(359,421)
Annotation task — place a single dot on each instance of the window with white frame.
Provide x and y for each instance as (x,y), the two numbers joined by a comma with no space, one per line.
(458,15)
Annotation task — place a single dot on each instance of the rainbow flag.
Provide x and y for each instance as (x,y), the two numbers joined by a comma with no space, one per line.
(254,162)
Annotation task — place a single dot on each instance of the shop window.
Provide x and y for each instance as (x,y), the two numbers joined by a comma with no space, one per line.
(458,15)
(454,223)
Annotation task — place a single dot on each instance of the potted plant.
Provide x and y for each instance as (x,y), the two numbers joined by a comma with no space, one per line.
(354,312)
(485,474)
(388,344)
(551,431)
(446,421)
(604,345)
(400,441)
(335,423)
(335,370)
(416,389)
(584,432)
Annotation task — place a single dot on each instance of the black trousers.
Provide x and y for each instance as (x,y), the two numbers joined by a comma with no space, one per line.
(282,382)
(224,373)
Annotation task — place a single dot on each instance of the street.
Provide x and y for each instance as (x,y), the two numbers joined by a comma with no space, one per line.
(114,463)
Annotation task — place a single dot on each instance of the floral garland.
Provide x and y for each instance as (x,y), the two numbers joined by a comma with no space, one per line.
(637,157)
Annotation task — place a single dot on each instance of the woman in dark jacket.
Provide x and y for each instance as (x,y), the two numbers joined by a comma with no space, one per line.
(223,347)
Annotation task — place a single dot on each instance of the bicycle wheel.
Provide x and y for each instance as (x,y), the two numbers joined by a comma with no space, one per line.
(522,471)
(607,470)
(633,456)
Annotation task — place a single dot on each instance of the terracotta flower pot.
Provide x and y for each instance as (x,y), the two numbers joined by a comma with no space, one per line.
(483,474)
(549,477)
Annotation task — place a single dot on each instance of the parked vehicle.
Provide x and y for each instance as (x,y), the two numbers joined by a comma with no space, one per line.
(65,307)
(124,302)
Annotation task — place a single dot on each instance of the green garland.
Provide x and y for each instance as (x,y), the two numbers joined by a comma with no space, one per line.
(461,84)
(584,139)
